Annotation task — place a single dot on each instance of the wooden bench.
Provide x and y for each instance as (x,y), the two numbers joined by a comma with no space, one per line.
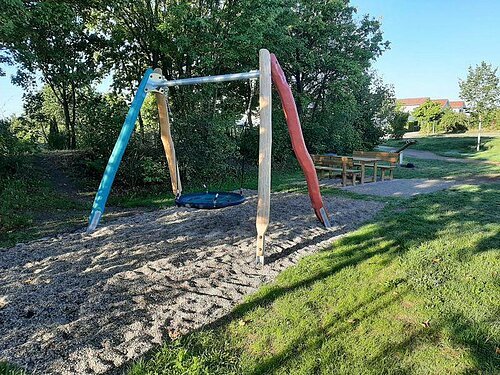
(341,164)
(390,158)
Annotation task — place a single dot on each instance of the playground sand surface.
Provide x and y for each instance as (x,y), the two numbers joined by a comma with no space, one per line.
(87,304)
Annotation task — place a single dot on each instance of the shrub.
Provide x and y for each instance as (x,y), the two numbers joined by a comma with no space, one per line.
(55,140)
(10,148)
(453,122)
(492,120)
(153,170)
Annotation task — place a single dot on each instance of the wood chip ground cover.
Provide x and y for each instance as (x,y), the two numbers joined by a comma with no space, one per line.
(85,304)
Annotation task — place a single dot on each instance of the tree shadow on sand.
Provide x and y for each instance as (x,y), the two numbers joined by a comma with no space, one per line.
(92,302)
(449,332)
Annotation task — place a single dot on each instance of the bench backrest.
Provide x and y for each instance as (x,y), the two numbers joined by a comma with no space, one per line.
(390,157)
(332,161)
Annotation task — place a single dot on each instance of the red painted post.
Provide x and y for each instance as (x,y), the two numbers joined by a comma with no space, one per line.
(298,144)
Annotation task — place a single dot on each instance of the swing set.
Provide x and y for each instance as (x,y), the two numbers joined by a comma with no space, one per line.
(269,72)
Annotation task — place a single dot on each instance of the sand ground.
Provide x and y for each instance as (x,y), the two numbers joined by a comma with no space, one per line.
(87,304)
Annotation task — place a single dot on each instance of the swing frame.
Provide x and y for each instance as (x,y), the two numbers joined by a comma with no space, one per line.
(153,81)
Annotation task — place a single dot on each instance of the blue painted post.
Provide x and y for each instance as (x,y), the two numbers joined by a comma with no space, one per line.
(117,154)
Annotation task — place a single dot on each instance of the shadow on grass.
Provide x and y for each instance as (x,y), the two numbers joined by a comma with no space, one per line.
(417,229)
(423,219)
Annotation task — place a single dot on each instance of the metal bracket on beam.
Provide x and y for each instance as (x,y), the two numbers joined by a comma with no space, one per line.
(154,83)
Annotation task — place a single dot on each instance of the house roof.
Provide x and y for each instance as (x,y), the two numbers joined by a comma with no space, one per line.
(443,102)
(457,104)
(412,101)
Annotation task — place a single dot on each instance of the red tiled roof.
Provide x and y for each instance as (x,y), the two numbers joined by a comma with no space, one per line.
(457,104)
(441,101)
(412,101)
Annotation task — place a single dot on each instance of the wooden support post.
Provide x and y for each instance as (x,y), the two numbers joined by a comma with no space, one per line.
(166,139)
(265,143)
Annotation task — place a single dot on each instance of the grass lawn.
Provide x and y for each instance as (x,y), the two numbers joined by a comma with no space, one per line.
(415,292)
(6,369)
(457,146)
(439,169)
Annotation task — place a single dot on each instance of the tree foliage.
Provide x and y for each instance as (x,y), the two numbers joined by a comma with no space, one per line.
(324,47)
(428,115)
(492,119)
(398,124)
(10,147)
(50,40)
(453,122)
(481,89)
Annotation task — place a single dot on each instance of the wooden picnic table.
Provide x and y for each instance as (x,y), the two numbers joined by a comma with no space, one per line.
(362,161)
(371,162)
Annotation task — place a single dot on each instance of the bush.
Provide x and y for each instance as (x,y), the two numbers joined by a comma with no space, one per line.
(492,120)
(153,170)
(428,116)
(453,122)
(210,147)
(431,127)
(100,122)
(206,149)
(10,148)
(9,144)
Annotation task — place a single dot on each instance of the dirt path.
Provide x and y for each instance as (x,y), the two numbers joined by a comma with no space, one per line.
(49,165)
(55,167)
(87,304)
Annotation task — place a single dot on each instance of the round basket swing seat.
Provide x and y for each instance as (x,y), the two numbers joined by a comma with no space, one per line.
(209,200)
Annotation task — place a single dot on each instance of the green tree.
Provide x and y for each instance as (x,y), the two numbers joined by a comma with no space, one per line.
(50,40)
(326,55)
(7,139)
(41,119)
(10,147)
(325,49)
(428,116)
(398,123)
(321,47)
(481,91)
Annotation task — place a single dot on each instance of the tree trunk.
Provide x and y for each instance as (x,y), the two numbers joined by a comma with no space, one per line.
(73,136)
(53,129)
(44,133)
(67,122)
(141,128)
(479,133)
(300,89)
(73,116)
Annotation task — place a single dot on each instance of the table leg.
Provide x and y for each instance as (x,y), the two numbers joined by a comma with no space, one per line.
(362,173)
(374,179)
